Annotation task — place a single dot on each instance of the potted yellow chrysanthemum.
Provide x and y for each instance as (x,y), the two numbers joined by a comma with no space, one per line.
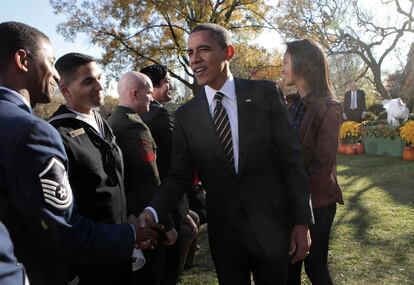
(407,135)
(350,135)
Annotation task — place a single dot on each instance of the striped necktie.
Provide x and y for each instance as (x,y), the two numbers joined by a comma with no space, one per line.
(222,124)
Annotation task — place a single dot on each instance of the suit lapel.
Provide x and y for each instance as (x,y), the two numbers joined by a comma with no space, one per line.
(246,107)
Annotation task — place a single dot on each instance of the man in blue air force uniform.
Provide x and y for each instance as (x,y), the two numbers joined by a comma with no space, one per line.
(36,201)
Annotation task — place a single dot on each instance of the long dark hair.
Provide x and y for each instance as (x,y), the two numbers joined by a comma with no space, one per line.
(310,63)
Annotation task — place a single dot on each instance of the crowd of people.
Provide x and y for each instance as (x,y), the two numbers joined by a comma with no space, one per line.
(84,199)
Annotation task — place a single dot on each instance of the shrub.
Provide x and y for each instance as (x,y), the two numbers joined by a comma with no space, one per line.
(376,108)
(382,115)
(370,116)
(379,129)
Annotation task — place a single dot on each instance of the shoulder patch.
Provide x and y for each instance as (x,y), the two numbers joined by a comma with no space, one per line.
(147,151)
(55,185)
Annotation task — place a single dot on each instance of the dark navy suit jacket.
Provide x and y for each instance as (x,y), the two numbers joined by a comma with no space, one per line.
(271,186)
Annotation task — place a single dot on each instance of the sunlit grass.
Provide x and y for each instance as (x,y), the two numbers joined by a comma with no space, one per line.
(372,238)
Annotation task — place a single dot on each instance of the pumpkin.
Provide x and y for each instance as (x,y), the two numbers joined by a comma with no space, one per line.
(359,148)
(408,153)
(341,148)
(349,149)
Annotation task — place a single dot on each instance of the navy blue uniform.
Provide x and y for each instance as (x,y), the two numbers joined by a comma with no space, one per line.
(11,271)
(37,206)
(96,177)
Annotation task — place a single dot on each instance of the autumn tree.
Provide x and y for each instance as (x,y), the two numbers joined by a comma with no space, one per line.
(134,33)
(408,87)
(344,69)
(108,106)
(44,111)
(393,83)
(253,62)
(345,27)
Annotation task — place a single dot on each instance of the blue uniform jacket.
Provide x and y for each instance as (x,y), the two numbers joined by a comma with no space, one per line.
(11,271)
(37,206)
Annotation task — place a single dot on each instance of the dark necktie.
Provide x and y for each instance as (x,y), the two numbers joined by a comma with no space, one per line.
(222,124)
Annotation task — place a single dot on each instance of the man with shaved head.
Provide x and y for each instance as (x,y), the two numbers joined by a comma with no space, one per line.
(141,172)
(135,89)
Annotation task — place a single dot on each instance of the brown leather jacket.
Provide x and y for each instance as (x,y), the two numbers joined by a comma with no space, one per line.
(319,135)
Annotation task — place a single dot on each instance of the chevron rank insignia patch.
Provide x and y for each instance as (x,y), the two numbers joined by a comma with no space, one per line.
(55,185)
(147,151)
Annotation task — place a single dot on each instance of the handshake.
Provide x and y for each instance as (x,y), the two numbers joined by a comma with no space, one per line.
(149,233)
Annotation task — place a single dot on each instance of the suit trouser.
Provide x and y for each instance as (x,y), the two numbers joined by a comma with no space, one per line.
(236,253)
(171,267)
(116,273)
(316,263)
(188,242)
(178,254)
(150,273)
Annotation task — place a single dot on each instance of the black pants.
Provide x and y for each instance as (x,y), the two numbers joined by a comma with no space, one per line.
(178,253)
(316,263)
(150,273)
(171,266)
(106,274)
(236,254)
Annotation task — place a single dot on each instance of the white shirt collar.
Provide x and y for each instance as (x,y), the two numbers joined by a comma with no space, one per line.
(82,115)
(17,94)
(89,119)
(228,89)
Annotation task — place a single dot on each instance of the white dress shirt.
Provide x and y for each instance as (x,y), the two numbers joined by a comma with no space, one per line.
(229,103)
(354,100)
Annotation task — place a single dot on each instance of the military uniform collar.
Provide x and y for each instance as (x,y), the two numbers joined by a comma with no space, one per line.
(132,115)
(155,102)
(125,108)
(18,96)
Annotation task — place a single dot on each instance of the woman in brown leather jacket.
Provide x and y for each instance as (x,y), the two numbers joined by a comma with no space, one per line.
(316,115)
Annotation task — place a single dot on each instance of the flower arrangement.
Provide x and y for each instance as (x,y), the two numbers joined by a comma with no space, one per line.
(350,132)
(407,133)
(379,129)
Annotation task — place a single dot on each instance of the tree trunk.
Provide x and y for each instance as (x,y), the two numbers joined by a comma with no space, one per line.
(376,71)
(408,88)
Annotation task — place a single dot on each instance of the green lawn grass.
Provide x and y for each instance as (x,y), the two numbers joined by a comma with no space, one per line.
(372,239)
